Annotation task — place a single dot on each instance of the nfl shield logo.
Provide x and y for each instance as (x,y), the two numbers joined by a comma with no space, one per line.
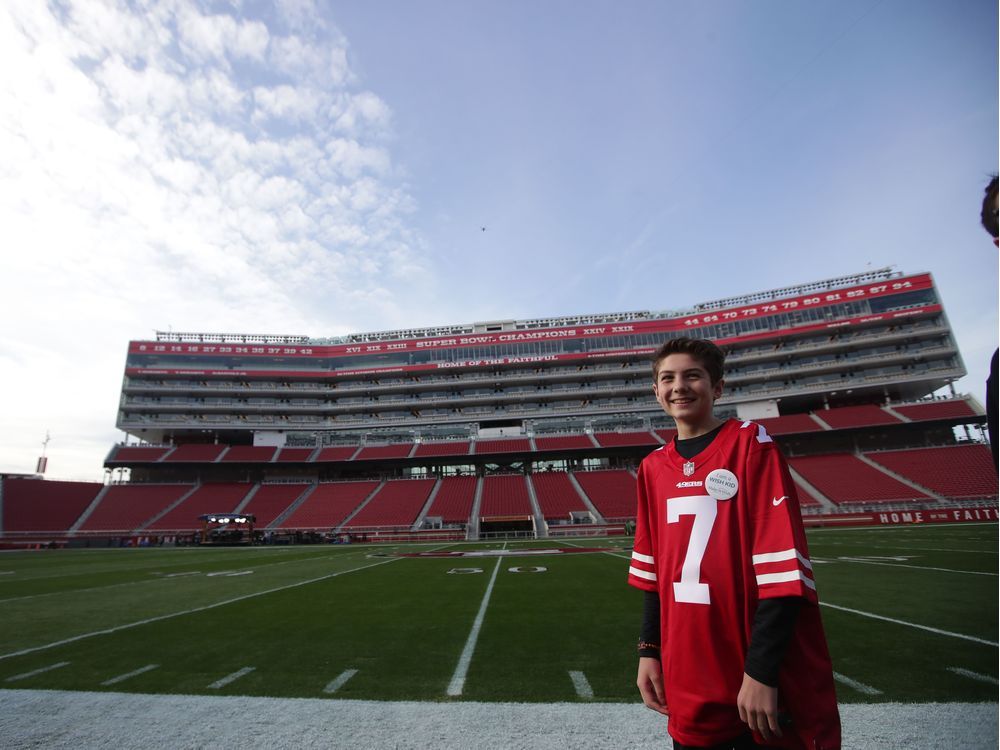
(689,468)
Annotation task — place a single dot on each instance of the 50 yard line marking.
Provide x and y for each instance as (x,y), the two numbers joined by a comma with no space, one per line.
(457,683)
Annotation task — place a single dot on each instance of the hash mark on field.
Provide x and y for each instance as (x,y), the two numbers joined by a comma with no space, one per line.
(231,677)
(973,675)
(127,675)
(457,683)
(341,680)
(855,685)
(26,675)
(583,688)
(911,624)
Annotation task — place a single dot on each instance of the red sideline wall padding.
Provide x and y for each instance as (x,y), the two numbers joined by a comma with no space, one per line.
(901,517)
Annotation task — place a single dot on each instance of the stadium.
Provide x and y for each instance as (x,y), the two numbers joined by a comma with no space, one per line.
(267,485)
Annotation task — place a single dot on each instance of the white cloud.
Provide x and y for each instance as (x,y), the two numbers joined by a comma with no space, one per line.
(160,171)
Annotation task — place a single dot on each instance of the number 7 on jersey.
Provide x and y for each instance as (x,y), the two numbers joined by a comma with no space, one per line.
(704,508)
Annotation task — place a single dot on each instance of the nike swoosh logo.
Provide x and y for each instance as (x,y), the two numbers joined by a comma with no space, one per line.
(778,501)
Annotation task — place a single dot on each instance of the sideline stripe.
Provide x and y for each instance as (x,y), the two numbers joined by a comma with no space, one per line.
(913,567)
(158,618)
(341,680)
(911,624)
(855,685)
(26,675)
(127,675)
(973,675)
(462,668)
(231,677)
(583,688)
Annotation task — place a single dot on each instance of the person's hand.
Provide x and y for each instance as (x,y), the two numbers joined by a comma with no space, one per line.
(758,707)
(650,684)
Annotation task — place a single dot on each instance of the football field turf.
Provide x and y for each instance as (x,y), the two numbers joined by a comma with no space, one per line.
(910,614)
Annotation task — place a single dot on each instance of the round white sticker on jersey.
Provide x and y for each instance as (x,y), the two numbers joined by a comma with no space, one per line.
(721,484)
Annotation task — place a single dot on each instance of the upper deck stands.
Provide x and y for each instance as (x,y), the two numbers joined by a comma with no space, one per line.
(249,453)
(448,448)
(790,424)
(612,492)
(336,453)
(396,450)
(868,415)
(195,452)
(517,445)
(806,498)
(211,497)
(666,435)
(137,453)
(505,495)
(959,471)
(41,505)
(328,505)
(297,455)
(453,502)
(557,497)
(612,439)
(398,503)
(958,408)
(845,478)
(564,442)
(126,507)
(270,501)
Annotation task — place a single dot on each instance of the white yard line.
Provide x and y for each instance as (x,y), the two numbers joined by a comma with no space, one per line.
(457,683)
(973,675)
(855,685)
(193,610)
(929,629)
(32,673)
(221,683)
(127,675)
(340,681)
(582,686)
(862,561)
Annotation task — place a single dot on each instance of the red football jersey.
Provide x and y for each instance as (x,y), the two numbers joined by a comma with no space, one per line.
(714,535)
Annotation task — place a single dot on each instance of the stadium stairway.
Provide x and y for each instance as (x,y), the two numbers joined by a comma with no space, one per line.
(900,478)
(294,506)
(419,521)
(88,510)
(823,500)
(598,518)
(477,504)
(249,496)
(541,528)
(361,505)
(896,414)
(169,508)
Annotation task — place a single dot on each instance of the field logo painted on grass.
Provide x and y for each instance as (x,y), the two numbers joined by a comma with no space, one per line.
(497,552)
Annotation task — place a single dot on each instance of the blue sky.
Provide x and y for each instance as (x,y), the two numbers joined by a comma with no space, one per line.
(324,167)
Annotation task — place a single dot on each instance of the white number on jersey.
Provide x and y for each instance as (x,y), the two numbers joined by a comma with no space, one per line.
(704,508)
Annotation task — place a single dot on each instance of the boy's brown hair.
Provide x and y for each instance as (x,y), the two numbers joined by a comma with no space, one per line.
(708,355)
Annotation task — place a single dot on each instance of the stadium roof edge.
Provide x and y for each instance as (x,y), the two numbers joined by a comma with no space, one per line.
(532,323)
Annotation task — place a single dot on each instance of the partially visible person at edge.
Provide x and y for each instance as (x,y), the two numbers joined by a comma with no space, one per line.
(990,224)
(732,647)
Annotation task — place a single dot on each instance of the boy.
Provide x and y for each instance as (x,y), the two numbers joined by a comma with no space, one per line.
(732,646)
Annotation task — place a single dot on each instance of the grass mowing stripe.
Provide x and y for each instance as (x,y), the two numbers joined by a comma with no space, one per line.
(862,561)
(580,683)
(118,628)
(340,681)
(973,675)
(32,673)
(462,668)
(910,624)
(221,683)
(855,685)
(127,675)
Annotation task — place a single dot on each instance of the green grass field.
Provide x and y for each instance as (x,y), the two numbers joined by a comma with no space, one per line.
(362,622)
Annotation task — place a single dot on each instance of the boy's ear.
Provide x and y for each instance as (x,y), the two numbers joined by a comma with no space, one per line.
(717,389)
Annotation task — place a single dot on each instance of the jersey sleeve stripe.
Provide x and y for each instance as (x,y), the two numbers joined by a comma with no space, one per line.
(644,574)
(785,554)
(791,575)
(648,559)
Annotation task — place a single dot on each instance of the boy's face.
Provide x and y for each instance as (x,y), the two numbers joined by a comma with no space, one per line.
(684,389)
